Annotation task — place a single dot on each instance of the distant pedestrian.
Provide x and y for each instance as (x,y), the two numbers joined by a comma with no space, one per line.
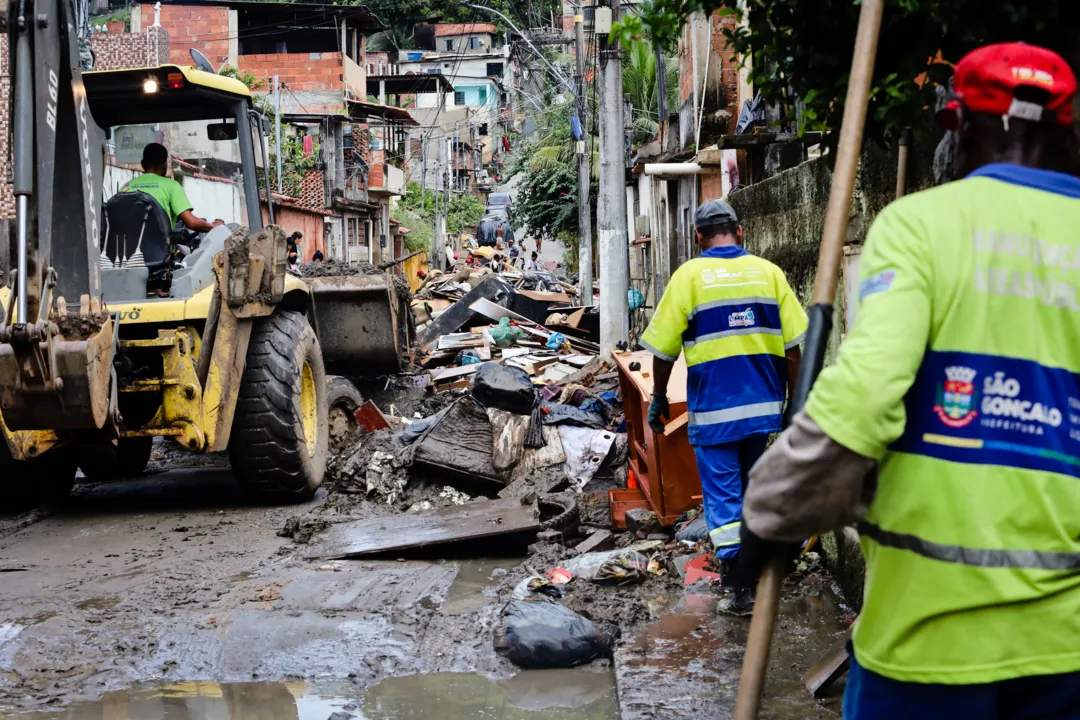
(531,265)
(292,252)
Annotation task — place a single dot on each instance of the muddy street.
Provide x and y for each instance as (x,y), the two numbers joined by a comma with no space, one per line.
(169,595)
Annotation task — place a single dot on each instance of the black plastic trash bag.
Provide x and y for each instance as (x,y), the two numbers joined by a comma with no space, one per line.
(503,388)
(548,635)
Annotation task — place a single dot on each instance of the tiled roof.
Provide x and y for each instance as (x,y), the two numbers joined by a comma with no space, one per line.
(463,28)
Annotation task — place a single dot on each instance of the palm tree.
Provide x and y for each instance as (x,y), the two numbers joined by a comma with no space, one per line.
(639,87)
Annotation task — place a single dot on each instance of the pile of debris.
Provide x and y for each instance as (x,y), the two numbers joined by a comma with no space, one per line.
(537,331)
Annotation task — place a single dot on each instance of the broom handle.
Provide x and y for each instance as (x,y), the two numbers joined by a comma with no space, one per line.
(756,658)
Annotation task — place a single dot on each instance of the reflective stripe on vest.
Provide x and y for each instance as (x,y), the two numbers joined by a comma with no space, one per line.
(741,412)
(977,557)
(726,535)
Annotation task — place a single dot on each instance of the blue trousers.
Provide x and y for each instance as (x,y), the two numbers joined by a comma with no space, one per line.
(724,471)
(870,696)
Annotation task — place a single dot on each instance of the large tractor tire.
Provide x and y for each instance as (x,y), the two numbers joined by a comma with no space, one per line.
(279,439)
(128,459)
(343,400)
(25,484)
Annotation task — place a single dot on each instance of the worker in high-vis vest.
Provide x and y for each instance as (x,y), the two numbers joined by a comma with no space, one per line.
(960,384)
(739,324)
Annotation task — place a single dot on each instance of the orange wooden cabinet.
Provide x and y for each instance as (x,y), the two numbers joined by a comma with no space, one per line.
(664,465)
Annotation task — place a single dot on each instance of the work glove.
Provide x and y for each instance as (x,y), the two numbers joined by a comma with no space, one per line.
(658,410)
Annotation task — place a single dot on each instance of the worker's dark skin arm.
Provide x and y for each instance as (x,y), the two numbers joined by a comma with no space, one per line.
(192,222)
(658,408)
(794,357)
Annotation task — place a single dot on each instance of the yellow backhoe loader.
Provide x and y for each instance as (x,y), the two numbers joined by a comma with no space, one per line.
(91,368)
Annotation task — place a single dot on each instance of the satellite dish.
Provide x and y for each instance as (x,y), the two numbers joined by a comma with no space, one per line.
(201,62)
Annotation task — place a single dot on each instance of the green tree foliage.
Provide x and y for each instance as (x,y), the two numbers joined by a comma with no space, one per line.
(546,204)
(640,87)
(547,197)
(401,16)
(463,214)
(802,48)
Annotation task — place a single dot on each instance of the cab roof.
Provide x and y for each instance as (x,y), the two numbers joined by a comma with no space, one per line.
(118,97)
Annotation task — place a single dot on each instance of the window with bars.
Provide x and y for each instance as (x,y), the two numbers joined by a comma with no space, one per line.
(459,97)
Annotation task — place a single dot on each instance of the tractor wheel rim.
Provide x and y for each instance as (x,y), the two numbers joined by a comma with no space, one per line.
(309,407)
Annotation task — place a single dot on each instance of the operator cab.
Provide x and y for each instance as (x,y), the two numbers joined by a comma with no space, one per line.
(214,142)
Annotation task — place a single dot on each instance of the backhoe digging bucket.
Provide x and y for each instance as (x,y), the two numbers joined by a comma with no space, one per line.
(356,319)
(72,394)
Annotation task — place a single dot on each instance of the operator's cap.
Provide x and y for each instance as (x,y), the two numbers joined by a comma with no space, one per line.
(715,212)
(986,81)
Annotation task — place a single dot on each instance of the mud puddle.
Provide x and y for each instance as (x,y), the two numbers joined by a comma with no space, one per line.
(687,663)
(559,694)
(472,588)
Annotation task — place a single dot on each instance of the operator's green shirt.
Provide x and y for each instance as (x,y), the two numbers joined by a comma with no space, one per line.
(962,378)
(165,190)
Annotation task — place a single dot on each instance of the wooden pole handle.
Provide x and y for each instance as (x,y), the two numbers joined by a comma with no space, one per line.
(831,253)
(838,209)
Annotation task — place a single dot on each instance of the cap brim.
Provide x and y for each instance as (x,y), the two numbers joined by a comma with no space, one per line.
(948,117)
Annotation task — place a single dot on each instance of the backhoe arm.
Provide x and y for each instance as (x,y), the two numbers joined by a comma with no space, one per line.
(54,368)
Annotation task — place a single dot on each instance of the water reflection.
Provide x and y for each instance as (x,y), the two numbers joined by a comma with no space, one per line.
(580,694)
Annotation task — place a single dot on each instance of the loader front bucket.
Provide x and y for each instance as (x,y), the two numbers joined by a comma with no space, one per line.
(78,396)
(356,318)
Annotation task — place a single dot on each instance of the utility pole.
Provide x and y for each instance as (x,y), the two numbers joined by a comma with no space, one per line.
(611,208)
(423,172)
(438,261)
(585,268)
(277,133)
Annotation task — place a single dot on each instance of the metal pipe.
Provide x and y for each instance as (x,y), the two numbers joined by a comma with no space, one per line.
(277,131)
(902,162)
(678,169)
(22,211)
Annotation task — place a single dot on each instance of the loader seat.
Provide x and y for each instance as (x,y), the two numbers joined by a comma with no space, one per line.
(134,245)
(136,232)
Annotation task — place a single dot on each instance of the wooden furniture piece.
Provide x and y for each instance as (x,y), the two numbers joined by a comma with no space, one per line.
(665,466)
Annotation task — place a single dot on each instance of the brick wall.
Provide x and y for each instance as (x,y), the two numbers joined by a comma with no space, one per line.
(723,70)
(729,79)
(300,71)
(130,50)
(111,52)
(205,28)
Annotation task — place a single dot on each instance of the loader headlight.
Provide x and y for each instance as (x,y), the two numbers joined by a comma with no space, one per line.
(150,86)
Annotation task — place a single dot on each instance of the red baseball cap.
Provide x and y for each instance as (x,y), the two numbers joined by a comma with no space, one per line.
(986,80)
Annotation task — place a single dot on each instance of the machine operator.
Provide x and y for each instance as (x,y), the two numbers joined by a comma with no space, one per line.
(169,193)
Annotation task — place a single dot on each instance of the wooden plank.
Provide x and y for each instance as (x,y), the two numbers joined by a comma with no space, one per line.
(391,533)
(642,378)
(454,372)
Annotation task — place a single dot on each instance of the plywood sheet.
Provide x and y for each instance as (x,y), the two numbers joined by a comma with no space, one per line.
(445,525)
